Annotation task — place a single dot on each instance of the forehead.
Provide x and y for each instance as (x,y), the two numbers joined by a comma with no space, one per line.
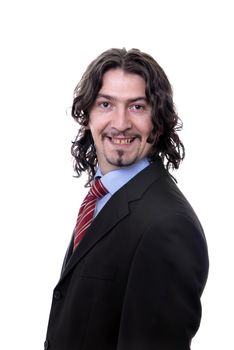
(118,83)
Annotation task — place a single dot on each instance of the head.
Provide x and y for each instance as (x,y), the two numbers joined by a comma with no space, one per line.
(124,106)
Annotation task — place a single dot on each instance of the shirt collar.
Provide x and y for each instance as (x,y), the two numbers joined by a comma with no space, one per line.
(115,179)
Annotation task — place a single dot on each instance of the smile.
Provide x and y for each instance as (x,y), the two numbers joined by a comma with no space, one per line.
(121,141)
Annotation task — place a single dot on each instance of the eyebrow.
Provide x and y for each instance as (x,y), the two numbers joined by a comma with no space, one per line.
(112,98)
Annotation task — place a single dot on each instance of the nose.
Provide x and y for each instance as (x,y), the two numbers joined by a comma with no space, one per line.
(121,120)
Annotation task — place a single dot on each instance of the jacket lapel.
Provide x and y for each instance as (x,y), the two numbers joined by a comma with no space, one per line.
(112,213)
(108,217)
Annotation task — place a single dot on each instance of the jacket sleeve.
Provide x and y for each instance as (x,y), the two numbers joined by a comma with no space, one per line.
(162,309)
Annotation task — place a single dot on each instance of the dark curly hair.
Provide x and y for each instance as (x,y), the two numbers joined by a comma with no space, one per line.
(166,122)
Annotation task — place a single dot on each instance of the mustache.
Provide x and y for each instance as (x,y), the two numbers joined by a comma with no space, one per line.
(127,134)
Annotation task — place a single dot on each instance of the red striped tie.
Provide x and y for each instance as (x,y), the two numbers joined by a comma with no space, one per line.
(86,211)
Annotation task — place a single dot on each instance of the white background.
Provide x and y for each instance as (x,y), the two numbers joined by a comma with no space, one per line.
(45,47)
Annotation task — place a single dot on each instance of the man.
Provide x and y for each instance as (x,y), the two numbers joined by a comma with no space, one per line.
(133,275)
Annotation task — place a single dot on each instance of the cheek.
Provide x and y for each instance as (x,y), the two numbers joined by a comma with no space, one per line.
(96,133)
(97,125)
(93,132)
(147,129)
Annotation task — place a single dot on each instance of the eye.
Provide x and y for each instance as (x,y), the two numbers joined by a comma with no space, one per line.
(105,104)
(137,107)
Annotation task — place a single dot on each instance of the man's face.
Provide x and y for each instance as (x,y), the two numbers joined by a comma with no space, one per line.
(120,120)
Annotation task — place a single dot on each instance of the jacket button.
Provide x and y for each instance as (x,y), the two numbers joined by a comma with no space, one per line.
(57,294)
(46,345)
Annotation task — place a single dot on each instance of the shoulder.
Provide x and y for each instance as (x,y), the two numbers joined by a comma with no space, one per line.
(175,246)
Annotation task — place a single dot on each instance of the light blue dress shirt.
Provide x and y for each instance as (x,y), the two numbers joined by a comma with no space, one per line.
(115,179)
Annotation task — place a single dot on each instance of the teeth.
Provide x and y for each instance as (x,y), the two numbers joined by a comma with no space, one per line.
(121,141)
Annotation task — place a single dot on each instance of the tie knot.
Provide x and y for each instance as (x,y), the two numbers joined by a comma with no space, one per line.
(97,189)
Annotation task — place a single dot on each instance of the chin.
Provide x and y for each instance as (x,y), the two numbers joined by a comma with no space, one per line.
(121,162)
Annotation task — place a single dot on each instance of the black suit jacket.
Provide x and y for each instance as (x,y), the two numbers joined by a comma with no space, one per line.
(136,278)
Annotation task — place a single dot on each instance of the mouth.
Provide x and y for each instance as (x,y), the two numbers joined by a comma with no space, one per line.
(121,140)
